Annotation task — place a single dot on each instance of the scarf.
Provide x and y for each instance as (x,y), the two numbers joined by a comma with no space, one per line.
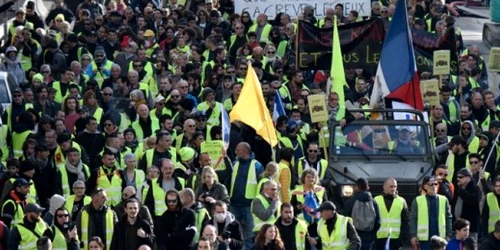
(78,170)
(40,163)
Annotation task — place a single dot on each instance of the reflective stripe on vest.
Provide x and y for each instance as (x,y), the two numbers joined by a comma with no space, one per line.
(18,141)
(18,216)
(251,183)
(113,188)
(423,217)
(300,235)
(66,192)
(390,221)
(214,119)
(158,196)
(155,125)
(109,224)
(494,215)
(450,162)
(322,164)
(337,240)
(200,216)
(70,202)
(258,223)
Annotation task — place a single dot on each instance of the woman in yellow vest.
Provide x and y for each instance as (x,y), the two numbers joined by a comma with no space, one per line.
(309,181)
(90,102)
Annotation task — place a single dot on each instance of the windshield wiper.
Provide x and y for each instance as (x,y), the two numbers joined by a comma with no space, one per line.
(362,152)
(392,152)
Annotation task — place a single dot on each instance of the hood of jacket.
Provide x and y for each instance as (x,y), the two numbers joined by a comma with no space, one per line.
(362,196)
(56,202)
(472,131)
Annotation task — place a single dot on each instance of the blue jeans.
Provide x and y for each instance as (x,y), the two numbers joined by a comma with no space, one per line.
(244,216)
(366,240)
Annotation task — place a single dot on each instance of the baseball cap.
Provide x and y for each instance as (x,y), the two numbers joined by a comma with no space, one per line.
(401,128)
(33,208)
(495,124)
(159,99)
(327,205)
(18,90)
(21,182)
(464,172)
(293,123)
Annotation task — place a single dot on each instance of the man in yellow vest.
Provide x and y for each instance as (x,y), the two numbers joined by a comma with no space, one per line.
(262,28)
(145,125)
(76,202)
(107,177)
(244,180)
(188,200)
(491,209)
(333,231)
(13,208)
(458,157)
(27,232)
(429,215)
(162,150)
(87,224)
(265,206)
(72,170)
(394,214)
(293,232)
(61,233)
(312,160)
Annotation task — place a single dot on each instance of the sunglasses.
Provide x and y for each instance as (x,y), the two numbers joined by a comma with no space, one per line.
(313,151)
(440,130)
(433,184)
(474,162)
(107,94)
(58,20)
(174,96)
(171,201)
(271,52)
(17,95)
(231,72)
(108,124)
(45,72)
(243,68)
(137,66)
(464,128)
(62,215)
(460,176)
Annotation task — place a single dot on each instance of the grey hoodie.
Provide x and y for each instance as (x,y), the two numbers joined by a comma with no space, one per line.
(15,70)
(56,202)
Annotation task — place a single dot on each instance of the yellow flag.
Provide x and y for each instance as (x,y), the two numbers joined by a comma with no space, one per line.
(337,69)
(251,109)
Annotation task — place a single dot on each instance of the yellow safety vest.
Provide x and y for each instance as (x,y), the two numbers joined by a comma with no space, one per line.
(299,196)
(3,143)
(66,192)
(337,240)
(474,145)
(200,216)
(323,165)
(124,122)
(59,157)
(32,196)
(28,238)
(491,201)
(423,217)
(139,178)
(148,67)
(59,98)
(300,235)
(18,216)
(99,77)
(18,141)
(287,143)
(70,202)
(98,114)
(151,50)
(390,220)
(265,31)
(258,223)
(159,195)
(251,187)
(9,113)
(155,125)
(150,152)
(109,224)
(214,119)
(12,28)
(59,241)
(450,162)
(113,188)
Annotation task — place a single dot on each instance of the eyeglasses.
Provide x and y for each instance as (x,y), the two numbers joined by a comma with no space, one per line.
(171,201)
(474,162)
(271,52)
(137,65)
(107,94)
(231,72)
(17,95)
(465,128)
(174,96)
(184,87)
(62,215)
(45,72)
(432,184)
(460,176)
(313,151)
(440,130)
(108,124)
(99,56)
(383,11)
(243,68)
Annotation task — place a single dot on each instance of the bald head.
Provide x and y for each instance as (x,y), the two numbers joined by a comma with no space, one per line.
(391,186)
(143,111)
(128,192)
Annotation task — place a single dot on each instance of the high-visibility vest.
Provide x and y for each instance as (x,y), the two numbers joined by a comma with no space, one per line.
(9,113)
(200,216)
(148,67)
(59,157)
(214,119)
(300,235)
(494,216)
(59,241)
(18,141)
(32,197)
(390,220)
(28,238)
(287,143)
(159,195)
(151,50)
(12,28)
(434,140)
(124,122)
(26,61)
(258,223)
(18,215)
(264,180)
(120,162)
(4,148)
(70,202)
(474,145)
(450,162)
(113,188)
(139,178)
(150,152)
(228,104)
(178,142)
(109,224)
(453,107)
(98,114)
(337,240)
(323,165)
(59,98)
(423,217)
(66,191)
(299,196)
(282,47)
(251,183)
(99,77)
(265,31)
(155,125)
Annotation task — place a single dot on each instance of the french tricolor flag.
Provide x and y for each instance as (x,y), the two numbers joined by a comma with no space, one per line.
(397,76)
(279,108)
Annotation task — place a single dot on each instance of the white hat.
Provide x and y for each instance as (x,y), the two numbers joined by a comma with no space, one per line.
(159,98)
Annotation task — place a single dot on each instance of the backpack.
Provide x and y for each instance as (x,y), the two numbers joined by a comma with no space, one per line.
(363,215)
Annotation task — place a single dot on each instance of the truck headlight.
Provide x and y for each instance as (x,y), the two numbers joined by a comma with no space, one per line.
(347,190)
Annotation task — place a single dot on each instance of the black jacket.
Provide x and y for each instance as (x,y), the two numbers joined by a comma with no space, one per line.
(71,244)
(120,240)
(471,197)
(490,242)
(176,229)
(363,196)
(93,143)
(231,228)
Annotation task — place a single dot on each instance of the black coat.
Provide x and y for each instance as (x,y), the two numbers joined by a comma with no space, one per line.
(471,197)
(120,241)
(231,230)
(176,229)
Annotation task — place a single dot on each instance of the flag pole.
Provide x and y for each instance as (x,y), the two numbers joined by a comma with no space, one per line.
(489,156)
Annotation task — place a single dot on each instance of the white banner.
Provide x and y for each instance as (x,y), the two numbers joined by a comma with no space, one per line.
(294,7)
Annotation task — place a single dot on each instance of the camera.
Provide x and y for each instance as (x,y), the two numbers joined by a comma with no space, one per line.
(69,225)
(225,235)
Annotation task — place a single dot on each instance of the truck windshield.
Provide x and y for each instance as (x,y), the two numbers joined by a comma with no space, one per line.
(398,140)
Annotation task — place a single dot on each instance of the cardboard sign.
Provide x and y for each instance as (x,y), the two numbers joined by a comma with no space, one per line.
(214,150)
(494,61)
(317,108)
(441,65)
(430,91)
